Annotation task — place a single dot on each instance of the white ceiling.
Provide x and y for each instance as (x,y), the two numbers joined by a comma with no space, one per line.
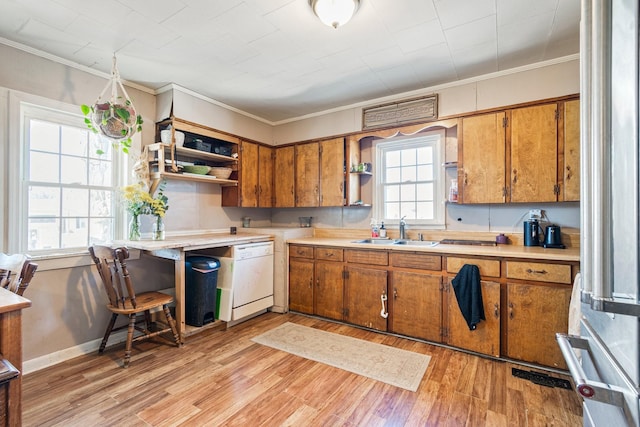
(275,60)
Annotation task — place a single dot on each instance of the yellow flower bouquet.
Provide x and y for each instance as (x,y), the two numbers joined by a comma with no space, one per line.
(139,202)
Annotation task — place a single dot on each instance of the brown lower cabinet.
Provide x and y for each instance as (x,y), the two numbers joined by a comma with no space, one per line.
(485,338)
(409,293)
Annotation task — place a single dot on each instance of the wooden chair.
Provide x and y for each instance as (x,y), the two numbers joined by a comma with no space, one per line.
(9,267)
(123,300)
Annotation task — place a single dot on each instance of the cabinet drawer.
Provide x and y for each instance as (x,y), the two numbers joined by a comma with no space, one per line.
(416,260)
(541,272)
(300,251)
(330,254)
(488,267)
(366,257)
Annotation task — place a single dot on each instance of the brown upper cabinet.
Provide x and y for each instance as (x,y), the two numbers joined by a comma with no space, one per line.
(527,154)
(319,173)
(307,166)
(284,183)
(255,178)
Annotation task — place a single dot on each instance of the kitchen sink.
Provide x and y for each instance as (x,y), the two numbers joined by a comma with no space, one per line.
(425,243)
(376,241)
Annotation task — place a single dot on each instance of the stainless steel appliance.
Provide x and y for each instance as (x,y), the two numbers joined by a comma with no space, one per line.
(605,359)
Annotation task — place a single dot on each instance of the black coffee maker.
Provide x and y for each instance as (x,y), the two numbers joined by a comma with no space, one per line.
(553,237)
(532,232)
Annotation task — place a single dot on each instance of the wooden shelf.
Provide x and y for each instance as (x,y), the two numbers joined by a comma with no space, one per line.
(361,173)
(195,177)
(190,152)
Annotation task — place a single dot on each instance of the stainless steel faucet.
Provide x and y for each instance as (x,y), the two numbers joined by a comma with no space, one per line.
(403,234)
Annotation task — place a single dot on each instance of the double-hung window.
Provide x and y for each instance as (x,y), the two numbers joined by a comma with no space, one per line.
(68,192)
(410,180)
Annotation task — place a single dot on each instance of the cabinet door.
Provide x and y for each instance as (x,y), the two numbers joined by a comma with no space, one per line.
(416,306)
(301,285)
(482,159)
(534,154)
(329,291)
(307,175)
(363,290)
(248,182)
(265,176)
(332,172)
(486,337)
(535,313)
(284,183)
(571,158)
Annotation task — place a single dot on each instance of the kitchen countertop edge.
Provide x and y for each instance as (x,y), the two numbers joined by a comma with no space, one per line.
(503,251)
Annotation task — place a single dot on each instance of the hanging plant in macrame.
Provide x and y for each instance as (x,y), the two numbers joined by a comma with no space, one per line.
(115,117)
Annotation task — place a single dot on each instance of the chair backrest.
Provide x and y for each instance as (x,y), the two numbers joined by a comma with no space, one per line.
(112,268)
(16,272)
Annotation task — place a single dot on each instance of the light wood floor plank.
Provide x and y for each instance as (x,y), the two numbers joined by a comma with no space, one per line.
(222,378)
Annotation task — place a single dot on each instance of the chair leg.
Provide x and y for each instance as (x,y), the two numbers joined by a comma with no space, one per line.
(147,320)
(127,348)
(172,323)
(112,322)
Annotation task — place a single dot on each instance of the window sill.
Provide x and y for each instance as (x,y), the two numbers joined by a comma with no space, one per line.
(62,261)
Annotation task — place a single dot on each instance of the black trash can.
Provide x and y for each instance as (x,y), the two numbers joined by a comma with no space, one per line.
(201,283)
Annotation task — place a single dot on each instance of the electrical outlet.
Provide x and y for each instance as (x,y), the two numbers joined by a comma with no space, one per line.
(535,213)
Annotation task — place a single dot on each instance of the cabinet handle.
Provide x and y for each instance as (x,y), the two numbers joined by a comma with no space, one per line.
(383,313)
(395,293)
(311,283)
(569,173)
(510,310)
(515,176)
(465,178)
(496,311)
(530,271)
(318,282)
(330,254)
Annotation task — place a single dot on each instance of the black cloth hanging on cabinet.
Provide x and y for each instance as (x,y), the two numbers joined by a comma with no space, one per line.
(466,286)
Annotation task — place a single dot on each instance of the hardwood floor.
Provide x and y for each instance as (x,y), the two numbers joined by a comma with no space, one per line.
(223,378)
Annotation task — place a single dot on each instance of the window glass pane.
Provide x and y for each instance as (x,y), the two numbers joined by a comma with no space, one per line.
(44,201)
(393,175)
(408,192)
(100,173)
(74,170)
(75,202)
(101,230)
(409,157)
(75,232)
(96,143)
(100,205)
(392,210)
(425,155)
(74,141)
(43,233)
(426,210)
(408,209)
(392,159)
(392,193)
(425,173)
(44,167)
(44,136)
(425,191)
(409,173)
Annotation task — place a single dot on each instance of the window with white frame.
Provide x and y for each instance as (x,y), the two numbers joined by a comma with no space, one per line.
(70,198)
(410,180)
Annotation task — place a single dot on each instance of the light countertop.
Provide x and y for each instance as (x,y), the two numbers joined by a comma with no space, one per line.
(196,241)
(503,251)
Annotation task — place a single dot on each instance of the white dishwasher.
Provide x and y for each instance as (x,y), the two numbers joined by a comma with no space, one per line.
(245,281)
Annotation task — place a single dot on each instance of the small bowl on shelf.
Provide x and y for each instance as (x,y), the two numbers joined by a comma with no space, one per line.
(196,169)
(220,172)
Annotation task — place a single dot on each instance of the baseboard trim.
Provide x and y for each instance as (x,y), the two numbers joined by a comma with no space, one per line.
(51,359)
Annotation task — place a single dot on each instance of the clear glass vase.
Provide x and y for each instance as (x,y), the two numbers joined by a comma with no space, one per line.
(158,229)
(134,228)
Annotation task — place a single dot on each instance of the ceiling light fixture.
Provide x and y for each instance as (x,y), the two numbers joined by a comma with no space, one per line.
(334,13)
